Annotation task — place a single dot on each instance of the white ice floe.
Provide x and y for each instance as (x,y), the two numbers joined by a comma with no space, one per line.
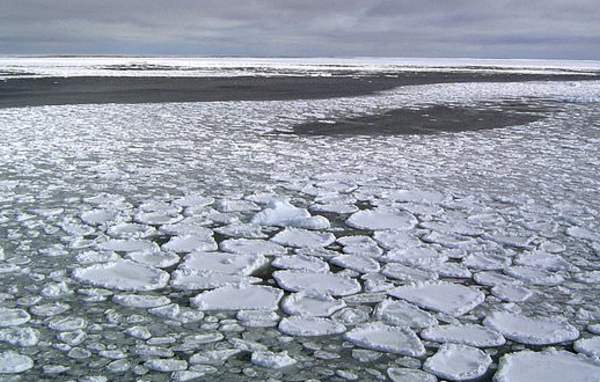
(213,357)
(534,276)
(189,226)
(247,297)
(452,241)
(336,208)
(443,297)
(155,259)
(19,336)
(158,218)
(449,270)
(300,263)
(382,219)
(13,317)
(310,326)
(397,374)
(12,362)
(351,316)
(541,260)
(166,365)
(311,304)
(360,245)
(252,247)
(193,200)
(272,360)
(401,313)
(416,196)
(130,245)
(547,366)
(140,300)
(188,279)
(531,330)
(401,272)
(418,256)
(301,238)
(123,275)
(283,214)
(486,261)
(393,239)
(219,262)
(467,334)
(511,292)
(236,205)
(322,282)
(492,278)
(99,216)
(241,230)
(588,346)
(130,231)
(458,362)
(190,243)
(389,339)
(257,318)
(583,233)
(358,263)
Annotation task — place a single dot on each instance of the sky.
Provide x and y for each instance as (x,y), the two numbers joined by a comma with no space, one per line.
(562,29)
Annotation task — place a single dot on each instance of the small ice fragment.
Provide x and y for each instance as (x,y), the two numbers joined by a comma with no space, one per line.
(401,313)
(397,374)
(272,360)
(13,317)
(12,362)
(311,304)
(310,326)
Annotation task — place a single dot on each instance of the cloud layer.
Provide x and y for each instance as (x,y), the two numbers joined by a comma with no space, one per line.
(404,28)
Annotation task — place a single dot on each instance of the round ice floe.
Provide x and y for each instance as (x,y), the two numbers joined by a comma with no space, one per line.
(468,334)
(458,362)
(13,363)
(311,304)
(511,293)
(236,205)
(390,339)
(452,241)
(530,330)
(252,247)
(300,263)
(129,246)
(588,346)
(190,243)
(193,200)
(99,216)
(223,263)
(418,256)
(130,231)
(449,270)
(310,326)
(155,259)
(401,313)
(157,218)
(257,318)
(272,360)
(381,219)
(486,261)
(547,366)
(360,245)
(443,297)
(188,279)
(544,261)
(123,275)
(416,196)
(13,317)
(397,374)
(18,336)
(405,273)
(283,214)
(396,239)
(589,277)
(247,297)
(361,264)
(323,283)
(240,230)
(492,278)
(583,233)
(301,238)
(336,208)
(534,276)
(189,226)
(140,300)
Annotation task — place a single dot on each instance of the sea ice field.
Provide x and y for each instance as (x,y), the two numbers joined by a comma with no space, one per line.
(204,242)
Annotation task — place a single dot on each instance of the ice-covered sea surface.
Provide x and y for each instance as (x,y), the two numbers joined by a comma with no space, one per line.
(192,242)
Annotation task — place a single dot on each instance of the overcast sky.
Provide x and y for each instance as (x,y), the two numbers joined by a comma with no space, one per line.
(401,28)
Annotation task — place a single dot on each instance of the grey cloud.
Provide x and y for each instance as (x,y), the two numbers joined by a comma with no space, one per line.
(425,28)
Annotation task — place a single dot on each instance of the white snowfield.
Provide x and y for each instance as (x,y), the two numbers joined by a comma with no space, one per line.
(190,241)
